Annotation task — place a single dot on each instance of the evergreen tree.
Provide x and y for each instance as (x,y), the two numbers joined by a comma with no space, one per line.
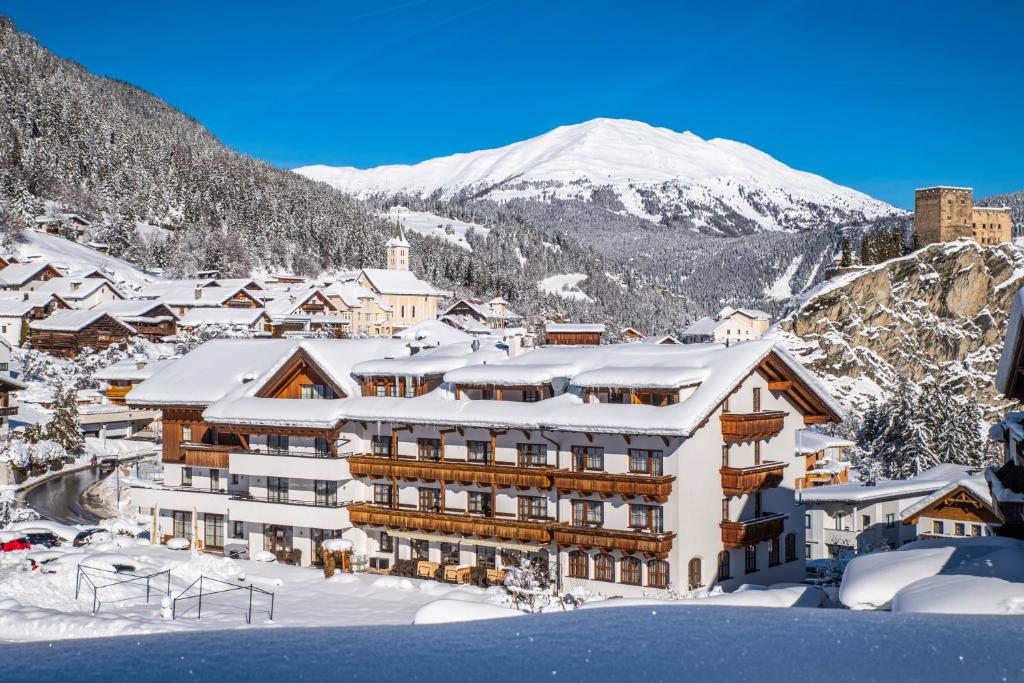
(64,427)
(847,258)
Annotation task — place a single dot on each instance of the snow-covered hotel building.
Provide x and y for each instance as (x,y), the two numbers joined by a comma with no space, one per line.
(626,468)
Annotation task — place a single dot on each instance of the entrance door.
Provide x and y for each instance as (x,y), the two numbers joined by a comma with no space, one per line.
(278,539)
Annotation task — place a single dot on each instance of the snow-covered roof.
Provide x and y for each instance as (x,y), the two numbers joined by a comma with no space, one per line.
(584,328)
(185,296)
(129,370)
(976,485)
(221,316)
(20,273)
(497,374)
(927,482)
(399,282)
(808,441)
(20,304)
(752,313)
(703,327)
(69,320)
(130,308)
(432,361)
(467,324)
(286,300)
(350,293)
(433,333)
(74,288)
(658,377)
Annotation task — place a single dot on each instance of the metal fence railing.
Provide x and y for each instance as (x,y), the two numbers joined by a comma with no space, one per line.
(200,589)
(98,580)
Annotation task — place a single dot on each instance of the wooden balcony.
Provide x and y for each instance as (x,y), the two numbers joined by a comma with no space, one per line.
(206,454)
(627,540)
(462,525)
(752,426)
(654,488)
(740,534)
(464,473)
(117,393)
(738,481)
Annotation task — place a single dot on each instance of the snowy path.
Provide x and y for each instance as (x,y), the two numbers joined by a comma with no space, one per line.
(59,498)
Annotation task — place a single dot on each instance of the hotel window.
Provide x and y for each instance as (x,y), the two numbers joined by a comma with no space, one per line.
(234,480)
(381,444)
(420,549)
(382,494)
(750,559)
(807,520)
(630,570)
(277,443)
(773,552)
(790,547)
(587,458)
(485,556)
(478,451)
(326,492)
(644,461)
(657,574)
(186,432)
(183,524)
(430,499)
(385,543)
(213,532)
(214,480)
(186,476)
(975,530)
(724,570)
(479,503)
(320,446)
(890,520)
(694,574)
(807,551)
(840,520)
(616,396)
(403,311)
(604,567)
(959,529)
(531,395)
(414,311)
(647,517)
(382,390)
(428,449)
(865,522)
(532,454)
(238,530)
(587,512)
(578,563)
(936,527)
(410,388)
(277,489)
(315,391)
(449,553)
(532,507)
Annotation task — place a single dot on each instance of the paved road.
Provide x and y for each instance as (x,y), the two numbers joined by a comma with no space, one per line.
(60,498)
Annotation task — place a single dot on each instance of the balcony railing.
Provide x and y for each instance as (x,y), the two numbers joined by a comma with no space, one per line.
(764,528)
(184,489)
(659,544)
(752,426)
(657,488)
(206,454)
(117,393)
(463,525)
(462,472)
(737,481)
(289,501)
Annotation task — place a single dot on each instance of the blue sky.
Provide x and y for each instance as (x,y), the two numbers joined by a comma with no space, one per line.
(881,96)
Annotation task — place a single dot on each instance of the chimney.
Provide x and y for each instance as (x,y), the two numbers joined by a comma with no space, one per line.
(198,293)
(24,296)
(140,362)
(75,285)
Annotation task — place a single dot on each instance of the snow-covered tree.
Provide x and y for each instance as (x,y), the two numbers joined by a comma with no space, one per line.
(64,426)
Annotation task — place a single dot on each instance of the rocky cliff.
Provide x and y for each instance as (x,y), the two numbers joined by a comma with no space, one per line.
(935,316)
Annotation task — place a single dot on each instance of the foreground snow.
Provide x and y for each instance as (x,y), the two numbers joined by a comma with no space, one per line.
(957,576)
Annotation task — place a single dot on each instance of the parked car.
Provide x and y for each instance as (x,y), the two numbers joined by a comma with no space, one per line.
(13,540)
(42,537)
(37,559)
(143,535)
(90,536)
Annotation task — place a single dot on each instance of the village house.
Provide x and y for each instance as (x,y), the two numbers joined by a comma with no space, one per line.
(960,508)
(184,298)
(573,334)
(460,460)
(66,332)
(64,224)
(847,518)
(367,314)
(121,376)
(151,319)
(254,320)
(492,315)
(18,309)
(26,276)
(79,292)
(729,324)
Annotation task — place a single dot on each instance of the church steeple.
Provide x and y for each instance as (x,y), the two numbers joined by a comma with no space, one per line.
(398,248)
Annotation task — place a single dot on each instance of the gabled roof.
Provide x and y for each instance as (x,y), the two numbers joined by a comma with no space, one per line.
(569,328)
(185,297)
(21,273)
(705,327)
(20,304)
(132,308)
(398,282)
(73,321)
(927,482)
(282,301)
(129,370)
(75,289)
(975,488)
(222,316)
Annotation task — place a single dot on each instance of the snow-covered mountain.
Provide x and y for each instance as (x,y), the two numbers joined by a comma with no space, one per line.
(717,186)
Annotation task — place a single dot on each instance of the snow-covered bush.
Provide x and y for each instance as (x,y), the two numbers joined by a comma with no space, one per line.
(204,333)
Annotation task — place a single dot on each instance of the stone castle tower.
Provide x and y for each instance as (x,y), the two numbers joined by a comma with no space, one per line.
(943,214)
(398,249)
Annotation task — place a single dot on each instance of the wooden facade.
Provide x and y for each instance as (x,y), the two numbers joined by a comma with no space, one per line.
(399,386)
(155,324)
(463,525)
(738,481)
(605,484)
(463,473)
(740,534)
(658,545)
(300,371)
(573,338)
(751,426)
(959,505)
(98,335)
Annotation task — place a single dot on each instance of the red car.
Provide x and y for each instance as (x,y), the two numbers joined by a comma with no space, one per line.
(10,541)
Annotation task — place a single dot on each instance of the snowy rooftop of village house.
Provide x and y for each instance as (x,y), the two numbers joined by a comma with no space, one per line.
(221,316)
(283,301)
(401,282)
(433,333)
(207,296)
(17,307)
(349,292)
(71,321)
(20,273)
(976,485)
(927,482)
(430,361)
(72,288)
(128,308)
(809,441)
(129,370)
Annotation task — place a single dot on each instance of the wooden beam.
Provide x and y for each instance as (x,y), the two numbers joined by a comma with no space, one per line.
(780,385)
